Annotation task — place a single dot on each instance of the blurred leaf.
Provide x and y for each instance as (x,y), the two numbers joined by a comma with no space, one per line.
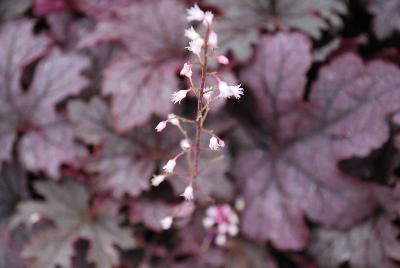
(239,26)
(67,206)
(299,174)
(372,243)
(12,190)
(387,17)
(142,79)
(125,162)
(48,140)
(13,8)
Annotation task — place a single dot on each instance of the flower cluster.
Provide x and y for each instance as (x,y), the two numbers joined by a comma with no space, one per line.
(203,49)
(222,221)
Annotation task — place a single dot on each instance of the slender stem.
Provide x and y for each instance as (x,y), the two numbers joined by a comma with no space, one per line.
(199,121)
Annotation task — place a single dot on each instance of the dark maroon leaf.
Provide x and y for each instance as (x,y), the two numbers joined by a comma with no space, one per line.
(387,17)
(299,175)
(373,243)
(48,140)
(126,161)
(45,7)
(142,79)
(239,26)
(67,205)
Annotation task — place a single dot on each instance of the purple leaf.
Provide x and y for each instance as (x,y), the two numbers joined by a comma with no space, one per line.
(45,7)
(102,8)
(142,79)
(67,205)
(212,181)
(48,141)
(125,162)
(372,243)
(18,48)
(299,175)
(239,26)
(387,17)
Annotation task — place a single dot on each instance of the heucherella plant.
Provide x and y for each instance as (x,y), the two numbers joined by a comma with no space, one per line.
(203,49)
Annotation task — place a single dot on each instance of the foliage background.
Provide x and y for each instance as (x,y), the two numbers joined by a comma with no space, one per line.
(313,146)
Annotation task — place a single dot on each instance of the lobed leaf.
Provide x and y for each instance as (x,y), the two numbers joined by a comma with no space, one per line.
(67,205)
(299,175)
(239,26)
(142,79)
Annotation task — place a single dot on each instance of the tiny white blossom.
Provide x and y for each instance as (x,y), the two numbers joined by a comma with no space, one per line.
(169,167)
(173,119)
(226,91)
(191,33)
(195,13)
(215,144)
(195,46)
(166,222)
(220,240)
(233,229)
(236,91)
(208,222)
(178,96)
(213,39)
(187,70)
(208,18)
(157,179)
(185,144)
(188,193)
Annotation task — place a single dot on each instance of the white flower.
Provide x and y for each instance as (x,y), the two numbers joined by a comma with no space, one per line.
(178,96)
(188,193)
(213,39)
(208,18)
(215,143)
(161,126)
(195,46)
(191,33)
(187,70)
(166,222)
(222,59)
(173,119)
(208,222)
(220,240)
(157,179)
(233,229)
(185,144)
(236,91)
(169,167)
(195,13)
(222,222)
(212,211)
(226,91)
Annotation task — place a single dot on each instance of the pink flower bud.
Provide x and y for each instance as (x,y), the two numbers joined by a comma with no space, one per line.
(161,126)
(222,59)
(186,70)
(213,39)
